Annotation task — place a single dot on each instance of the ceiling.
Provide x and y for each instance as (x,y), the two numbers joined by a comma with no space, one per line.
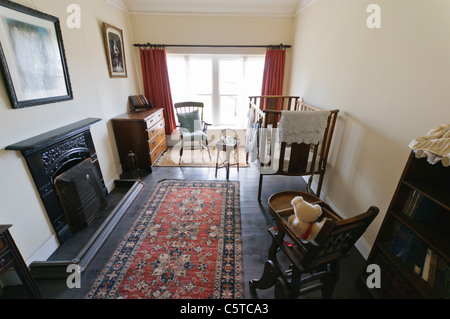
(215,7)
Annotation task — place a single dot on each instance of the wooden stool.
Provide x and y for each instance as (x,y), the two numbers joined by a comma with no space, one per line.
(229,143)
(313,260)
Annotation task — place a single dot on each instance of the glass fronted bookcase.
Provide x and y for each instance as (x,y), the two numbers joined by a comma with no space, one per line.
(413,245)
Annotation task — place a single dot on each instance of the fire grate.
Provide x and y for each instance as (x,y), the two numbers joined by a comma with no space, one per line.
(81,194)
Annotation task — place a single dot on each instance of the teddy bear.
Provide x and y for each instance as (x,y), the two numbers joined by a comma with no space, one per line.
(304,221)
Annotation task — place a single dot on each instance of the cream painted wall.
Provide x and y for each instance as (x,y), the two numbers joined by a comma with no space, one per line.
(95,95)
(211,29)
(390,84)
(216,30)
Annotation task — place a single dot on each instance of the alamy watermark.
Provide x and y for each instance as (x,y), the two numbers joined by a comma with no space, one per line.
(74,279)
(374,278)
(374,19)
(73,21)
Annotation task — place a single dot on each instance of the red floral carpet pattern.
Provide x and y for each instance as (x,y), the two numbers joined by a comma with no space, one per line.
(186,243)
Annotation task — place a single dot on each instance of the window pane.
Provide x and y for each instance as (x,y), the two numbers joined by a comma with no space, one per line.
(230,113)
(230,76)
(230,90)
(200,76)
(201,84)
(207,101)
(177,69)
(254,68)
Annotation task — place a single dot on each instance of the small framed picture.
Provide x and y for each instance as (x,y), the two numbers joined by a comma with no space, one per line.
(115,51)
(32,58)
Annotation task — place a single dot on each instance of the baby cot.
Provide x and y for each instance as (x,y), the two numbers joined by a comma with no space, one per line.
(289,137)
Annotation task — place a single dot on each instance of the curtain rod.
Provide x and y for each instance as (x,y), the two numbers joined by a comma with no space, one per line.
(276,46)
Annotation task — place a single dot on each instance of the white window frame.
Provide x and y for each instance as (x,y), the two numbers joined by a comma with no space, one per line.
(216,94)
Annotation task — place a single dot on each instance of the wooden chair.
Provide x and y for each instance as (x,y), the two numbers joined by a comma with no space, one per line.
(315,264)
(299,159)
(192,126)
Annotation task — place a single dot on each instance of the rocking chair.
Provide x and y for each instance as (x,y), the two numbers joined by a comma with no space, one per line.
(316,260)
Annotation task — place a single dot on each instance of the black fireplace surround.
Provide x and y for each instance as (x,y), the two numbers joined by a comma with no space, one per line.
(50,154)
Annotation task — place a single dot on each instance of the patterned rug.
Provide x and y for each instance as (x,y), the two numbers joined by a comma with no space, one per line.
(185,243)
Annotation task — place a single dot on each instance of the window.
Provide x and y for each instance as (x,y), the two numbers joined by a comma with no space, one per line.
(222,82)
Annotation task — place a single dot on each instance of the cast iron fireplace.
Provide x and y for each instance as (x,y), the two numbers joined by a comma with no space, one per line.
(51,154)
(67,175)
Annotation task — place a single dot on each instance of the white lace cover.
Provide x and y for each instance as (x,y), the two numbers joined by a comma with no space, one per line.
(302,126)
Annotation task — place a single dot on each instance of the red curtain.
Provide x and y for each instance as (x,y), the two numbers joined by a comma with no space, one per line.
(156,83)
(273,72)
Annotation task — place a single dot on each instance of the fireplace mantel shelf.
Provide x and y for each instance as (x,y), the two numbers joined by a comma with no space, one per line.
(43,140)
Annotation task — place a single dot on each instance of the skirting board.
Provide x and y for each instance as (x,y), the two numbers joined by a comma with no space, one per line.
(45,250)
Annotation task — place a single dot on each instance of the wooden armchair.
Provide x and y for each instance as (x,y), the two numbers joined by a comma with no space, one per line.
(313,261)
(192,126)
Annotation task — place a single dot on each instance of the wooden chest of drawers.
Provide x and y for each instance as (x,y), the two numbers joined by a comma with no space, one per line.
(141,132)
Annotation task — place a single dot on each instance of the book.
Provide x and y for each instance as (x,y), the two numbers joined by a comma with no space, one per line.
(440,275)
(419,207)
(416,257)
(407,249)
(427,264)
(426,210)
(392,235)
(400,241)
(432,270)
(447,282)
(412,202)
(407,202)
(420,254)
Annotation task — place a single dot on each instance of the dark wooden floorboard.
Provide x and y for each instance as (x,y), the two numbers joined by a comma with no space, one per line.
(255,238)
